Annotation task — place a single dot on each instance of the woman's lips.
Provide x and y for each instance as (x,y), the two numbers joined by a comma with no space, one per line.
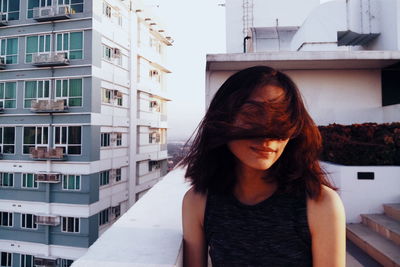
(263,151)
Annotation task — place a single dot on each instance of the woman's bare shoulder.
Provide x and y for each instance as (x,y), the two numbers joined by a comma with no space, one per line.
(327,208)
(194,204)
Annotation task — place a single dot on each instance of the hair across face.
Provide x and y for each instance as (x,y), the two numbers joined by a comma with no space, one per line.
(254,104)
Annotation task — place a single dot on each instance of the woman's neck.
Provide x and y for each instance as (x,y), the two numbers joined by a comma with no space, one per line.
(251,186)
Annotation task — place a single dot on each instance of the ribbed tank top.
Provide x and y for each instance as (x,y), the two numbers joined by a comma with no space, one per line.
(273,232)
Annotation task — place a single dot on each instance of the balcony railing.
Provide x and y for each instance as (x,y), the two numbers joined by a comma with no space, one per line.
(48,177)
(42,153)
(50,59)
(2,63)
(51,13)
(46,106)
(143,238)
(3,19)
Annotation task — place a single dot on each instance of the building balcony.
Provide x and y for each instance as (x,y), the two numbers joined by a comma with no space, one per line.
(49,59)
(50,13)
(152,119)
(3,19)
(43,153)
(143,238)
(48,106)
(2,63)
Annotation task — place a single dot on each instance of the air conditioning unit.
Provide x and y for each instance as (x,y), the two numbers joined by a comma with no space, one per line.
(52,220)
(42,262)
(53,177)
(115,92)
(3,18)
(46,12)
(41,177)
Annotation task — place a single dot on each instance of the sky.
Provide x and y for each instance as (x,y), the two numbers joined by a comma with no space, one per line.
(198,29)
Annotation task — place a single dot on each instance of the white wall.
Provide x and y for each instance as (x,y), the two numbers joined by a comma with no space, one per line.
(333,96)
(365,196)
(265,13)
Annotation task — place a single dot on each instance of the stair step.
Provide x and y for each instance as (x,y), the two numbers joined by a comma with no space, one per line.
(384,225)
(392,210)
(381,249)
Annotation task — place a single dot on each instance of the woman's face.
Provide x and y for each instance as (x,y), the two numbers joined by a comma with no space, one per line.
(260,153)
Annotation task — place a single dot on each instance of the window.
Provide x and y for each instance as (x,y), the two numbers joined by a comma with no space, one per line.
(6,219)
(9,50)
(71,43)
(154,165)
(8,95)
(6,179)
(36,90)
(28,221)
(107,52)
(37,44)
(71,91)
(117,211)
(6,259)
(35,137)
(76,5)
(29,180)
(105,139)
(104,177)
(106,10)
(70,224)
(26,260)
(107,95)
(104,216)
(118,174)
(10,9)
(7,140)
(119,139)
(66,263)
(69,138)
(154,137)
(71,182)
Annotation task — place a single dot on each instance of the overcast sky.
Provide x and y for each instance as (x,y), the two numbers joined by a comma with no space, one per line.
(198,28)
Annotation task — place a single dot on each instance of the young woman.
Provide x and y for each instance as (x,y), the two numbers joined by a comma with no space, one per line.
(259,196)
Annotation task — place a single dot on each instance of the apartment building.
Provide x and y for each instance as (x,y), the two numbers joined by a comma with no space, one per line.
(83,122)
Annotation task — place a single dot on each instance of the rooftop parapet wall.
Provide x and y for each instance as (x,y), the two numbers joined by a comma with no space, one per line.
(148,234)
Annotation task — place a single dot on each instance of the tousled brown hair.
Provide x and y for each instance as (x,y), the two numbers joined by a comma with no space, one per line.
(209,162)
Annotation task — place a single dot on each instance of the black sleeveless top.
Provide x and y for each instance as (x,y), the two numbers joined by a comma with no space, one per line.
(273,232)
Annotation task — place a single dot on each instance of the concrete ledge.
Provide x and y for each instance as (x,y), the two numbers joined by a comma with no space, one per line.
(148,234)
(299,60)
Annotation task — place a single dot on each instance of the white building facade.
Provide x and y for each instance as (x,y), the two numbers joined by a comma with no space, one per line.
(83,122)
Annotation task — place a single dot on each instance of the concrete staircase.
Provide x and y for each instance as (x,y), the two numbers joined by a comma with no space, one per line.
(379,235)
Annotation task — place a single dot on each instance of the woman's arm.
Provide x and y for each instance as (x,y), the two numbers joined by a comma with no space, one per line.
(194,244)
(326,218)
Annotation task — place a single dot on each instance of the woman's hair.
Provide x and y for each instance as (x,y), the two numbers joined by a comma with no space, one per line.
(232,116)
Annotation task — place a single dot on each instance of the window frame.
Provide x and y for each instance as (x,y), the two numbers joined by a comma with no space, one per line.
(68,97)
(4,99)
(37,91)
(9,179)
(68,51)
(38,45)
(66,177)
(24,176)
(118,174)
(75,220)
(36,144)
(10,258)
(10,219)
(104,216)
(67,144)
(105,140)
(104,178)
(5,49)
(24,221)
(2,144)
(23,260)
(8,9)
(118,139)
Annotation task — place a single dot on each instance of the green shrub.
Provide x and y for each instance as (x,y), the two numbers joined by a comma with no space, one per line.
(361,144)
